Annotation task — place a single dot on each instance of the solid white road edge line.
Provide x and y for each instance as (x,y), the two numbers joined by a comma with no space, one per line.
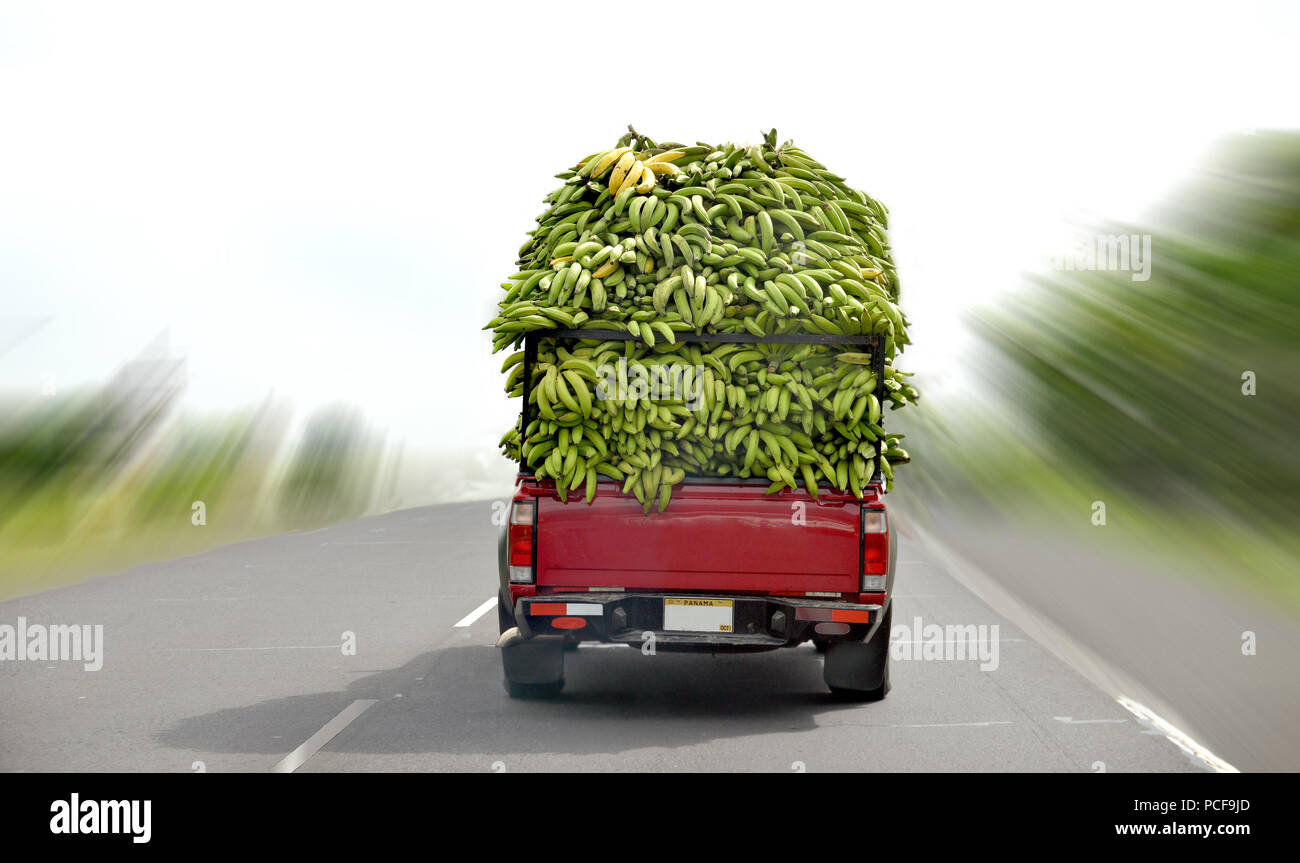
(312,745)
(1176,736)
(468,620)
(1103,675)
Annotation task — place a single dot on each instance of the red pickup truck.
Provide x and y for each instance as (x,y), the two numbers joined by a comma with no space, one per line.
(725,568)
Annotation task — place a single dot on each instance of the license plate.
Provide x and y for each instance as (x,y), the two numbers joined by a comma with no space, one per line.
(688,614)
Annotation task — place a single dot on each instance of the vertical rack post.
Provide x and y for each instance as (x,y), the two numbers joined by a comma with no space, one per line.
(878,367)
(530,360)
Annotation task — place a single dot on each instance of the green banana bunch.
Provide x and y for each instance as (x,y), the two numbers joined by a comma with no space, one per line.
(655,240)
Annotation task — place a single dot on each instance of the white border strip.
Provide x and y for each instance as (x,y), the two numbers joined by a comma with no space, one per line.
(1102,674)
(1175,735)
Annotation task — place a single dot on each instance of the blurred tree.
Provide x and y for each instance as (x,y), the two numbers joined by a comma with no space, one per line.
(1142,380)
(332,471)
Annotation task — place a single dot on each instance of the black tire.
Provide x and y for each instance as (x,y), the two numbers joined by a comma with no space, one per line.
(505,616)
(860,672)
(819,645)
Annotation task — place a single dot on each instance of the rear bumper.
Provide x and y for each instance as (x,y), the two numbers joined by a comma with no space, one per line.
(759,622)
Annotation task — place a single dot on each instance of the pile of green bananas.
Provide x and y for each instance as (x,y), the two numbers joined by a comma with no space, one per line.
(660,239)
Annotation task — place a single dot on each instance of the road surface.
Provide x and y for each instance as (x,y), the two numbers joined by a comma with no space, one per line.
(234,660)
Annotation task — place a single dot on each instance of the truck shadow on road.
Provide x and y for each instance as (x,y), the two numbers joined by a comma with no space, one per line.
(452,701)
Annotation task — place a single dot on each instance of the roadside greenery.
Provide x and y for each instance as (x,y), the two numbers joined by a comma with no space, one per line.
(1175,399)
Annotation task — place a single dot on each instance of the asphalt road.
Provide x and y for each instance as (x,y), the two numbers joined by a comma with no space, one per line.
(232,660)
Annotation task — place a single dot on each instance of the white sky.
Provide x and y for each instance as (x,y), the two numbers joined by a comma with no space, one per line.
(321,199)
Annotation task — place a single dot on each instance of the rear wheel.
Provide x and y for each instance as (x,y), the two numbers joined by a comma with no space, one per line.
(505,616)
(860,672)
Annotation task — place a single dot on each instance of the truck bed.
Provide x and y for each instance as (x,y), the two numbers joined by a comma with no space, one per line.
(715,536)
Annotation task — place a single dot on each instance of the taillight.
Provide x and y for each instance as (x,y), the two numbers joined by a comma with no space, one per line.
(875,549)
(523,524)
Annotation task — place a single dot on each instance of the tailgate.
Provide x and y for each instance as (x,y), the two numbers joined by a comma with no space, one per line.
(713,537)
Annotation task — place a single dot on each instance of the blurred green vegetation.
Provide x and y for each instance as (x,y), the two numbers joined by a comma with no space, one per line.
(1142,381)
(97,481)
(1095,385)
(331,471)
(91,482)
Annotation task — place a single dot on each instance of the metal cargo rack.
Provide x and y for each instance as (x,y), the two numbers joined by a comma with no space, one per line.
(532,337)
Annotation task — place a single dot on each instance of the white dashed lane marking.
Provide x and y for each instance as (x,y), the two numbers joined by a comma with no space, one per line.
(328,732)
(468,620)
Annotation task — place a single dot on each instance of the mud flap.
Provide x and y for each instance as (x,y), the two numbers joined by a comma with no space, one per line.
(535,661)
(861,669)
(858,667)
